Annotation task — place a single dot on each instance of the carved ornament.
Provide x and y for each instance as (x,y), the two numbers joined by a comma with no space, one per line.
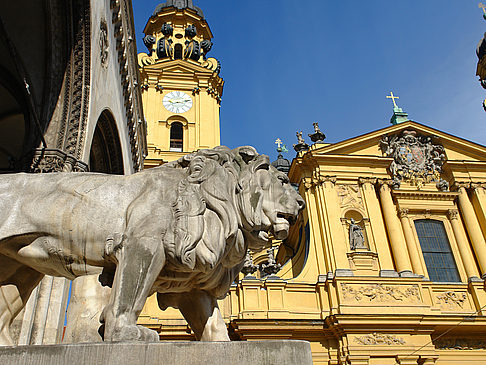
(349,196)
(403,213)
(460,344)
(451,300)
(416,158)
(380,293)
(453,214)
(103,43)
(367,180)
(379,339)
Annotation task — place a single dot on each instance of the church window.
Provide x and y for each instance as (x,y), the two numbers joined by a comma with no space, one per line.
(176,137)
(178,52)
(437,252)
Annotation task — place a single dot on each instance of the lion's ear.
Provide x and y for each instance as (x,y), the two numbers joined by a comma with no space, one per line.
(247,153)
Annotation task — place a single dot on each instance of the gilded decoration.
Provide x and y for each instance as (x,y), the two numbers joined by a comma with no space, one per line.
(349,196)
(451,300)
(379,339)
(381,293)
(415,157)
(460,344)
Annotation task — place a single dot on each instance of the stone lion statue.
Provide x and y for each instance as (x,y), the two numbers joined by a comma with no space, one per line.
(181,230)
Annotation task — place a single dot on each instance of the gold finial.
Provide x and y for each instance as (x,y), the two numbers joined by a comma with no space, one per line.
(278,142)
(393,97)
(482,6)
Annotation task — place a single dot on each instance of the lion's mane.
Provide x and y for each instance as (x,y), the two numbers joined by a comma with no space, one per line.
(207,222)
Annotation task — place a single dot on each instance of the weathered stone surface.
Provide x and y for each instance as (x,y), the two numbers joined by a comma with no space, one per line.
(181,230)
(167,353)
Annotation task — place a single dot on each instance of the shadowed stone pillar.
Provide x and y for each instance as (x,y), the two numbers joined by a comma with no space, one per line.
(397,241)
(410,240)
(472,226)
(462,244)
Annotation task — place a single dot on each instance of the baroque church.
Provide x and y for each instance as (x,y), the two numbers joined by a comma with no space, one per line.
(386,264)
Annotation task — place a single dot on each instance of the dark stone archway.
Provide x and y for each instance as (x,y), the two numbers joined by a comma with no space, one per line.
(106,153)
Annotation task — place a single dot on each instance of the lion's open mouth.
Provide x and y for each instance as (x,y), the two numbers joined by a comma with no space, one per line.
(290,218)
(282,225)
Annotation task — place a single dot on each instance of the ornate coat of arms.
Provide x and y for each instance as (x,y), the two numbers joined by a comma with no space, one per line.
(415,157)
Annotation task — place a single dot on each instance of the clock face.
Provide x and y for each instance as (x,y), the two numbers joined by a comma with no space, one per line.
(177,102)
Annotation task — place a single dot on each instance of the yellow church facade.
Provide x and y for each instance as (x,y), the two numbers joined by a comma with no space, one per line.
(181,86)
(386,263)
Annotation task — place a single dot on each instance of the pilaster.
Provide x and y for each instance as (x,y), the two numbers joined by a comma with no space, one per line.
(339,244)
(377,225)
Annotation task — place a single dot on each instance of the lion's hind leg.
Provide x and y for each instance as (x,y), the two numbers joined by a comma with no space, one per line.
(202,313)
(139,263)
(16,284)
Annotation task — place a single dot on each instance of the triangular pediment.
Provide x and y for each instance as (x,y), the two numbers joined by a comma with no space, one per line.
(456,148)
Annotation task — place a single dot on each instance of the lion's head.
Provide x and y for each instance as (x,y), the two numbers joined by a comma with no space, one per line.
(230,201)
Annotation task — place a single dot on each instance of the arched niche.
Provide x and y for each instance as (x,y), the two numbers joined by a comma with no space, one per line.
(361,221)
(106,153)
(14,126)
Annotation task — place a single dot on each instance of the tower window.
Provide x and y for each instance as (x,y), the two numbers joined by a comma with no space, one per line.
(178,52)
(437,251)
(176,137)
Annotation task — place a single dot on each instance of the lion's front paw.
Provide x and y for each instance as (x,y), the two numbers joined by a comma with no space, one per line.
(135,333)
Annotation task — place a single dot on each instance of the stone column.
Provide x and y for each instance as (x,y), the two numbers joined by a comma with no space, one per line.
(472,226)
(377,226)
(393,226)
(411,242)
(479,203)
(44,314)
(462,244)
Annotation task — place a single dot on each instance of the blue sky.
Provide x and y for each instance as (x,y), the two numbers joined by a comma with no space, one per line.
(287,64)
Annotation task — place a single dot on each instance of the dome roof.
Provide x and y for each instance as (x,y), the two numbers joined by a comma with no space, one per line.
(179,4)
(281,164)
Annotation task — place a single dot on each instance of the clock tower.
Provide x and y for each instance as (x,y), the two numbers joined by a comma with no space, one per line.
(181,86)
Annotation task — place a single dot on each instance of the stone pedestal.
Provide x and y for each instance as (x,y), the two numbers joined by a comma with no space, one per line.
(167,353)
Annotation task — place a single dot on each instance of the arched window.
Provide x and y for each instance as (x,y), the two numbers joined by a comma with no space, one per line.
(178,52)
(106,153)
(176,137)
(436,250)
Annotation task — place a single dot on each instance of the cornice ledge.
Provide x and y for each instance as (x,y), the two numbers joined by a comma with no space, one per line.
(426,195)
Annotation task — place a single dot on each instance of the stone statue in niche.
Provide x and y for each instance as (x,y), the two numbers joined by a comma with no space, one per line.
(181,230)
(356,237)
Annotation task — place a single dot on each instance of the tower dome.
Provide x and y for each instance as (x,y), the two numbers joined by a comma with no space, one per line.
(179,4)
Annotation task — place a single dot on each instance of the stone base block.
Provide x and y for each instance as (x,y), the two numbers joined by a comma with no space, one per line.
(166,353)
